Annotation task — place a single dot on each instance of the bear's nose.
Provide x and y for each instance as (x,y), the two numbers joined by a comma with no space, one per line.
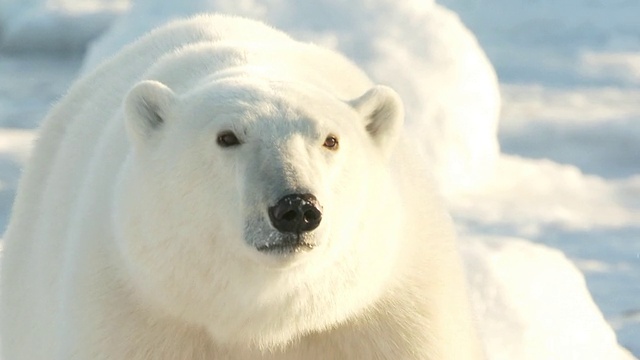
(296,213)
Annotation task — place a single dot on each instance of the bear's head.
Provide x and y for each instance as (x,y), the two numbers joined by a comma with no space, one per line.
(261,210)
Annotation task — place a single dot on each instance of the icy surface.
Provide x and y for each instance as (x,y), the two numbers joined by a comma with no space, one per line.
(568,177)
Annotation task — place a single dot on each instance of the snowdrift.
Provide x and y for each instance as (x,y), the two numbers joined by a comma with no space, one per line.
(532,303)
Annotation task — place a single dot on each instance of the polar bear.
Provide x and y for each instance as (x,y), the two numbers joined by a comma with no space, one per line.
(218,190)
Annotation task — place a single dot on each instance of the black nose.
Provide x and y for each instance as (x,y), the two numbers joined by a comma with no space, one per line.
(296,213)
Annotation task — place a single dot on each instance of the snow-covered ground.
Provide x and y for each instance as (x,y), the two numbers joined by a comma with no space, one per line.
(570,132)
(568,176)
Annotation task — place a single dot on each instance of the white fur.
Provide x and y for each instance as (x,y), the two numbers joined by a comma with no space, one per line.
(134,234)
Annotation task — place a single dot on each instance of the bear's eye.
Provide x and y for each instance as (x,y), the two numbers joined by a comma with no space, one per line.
(227,139)
(331,142)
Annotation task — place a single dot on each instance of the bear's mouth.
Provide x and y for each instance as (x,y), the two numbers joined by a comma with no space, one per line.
(293,243)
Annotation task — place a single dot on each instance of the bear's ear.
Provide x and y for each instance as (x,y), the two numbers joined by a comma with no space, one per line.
(146,108)
(383,113)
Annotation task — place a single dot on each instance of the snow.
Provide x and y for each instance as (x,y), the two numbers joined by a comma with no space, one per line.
(569,80)
(555,195)
(54,25)
(567,178)
(14,148)
(511,280)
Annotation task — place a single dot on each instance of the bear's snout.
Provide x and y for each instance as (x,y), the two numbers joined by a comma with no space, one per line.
(296,213)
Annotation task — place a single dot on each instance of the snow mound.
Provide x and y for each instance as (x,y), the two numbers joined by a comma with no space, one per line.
(621,65)
(532,303)
(592,127)
(529,195)
(561,106)
(15,145)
